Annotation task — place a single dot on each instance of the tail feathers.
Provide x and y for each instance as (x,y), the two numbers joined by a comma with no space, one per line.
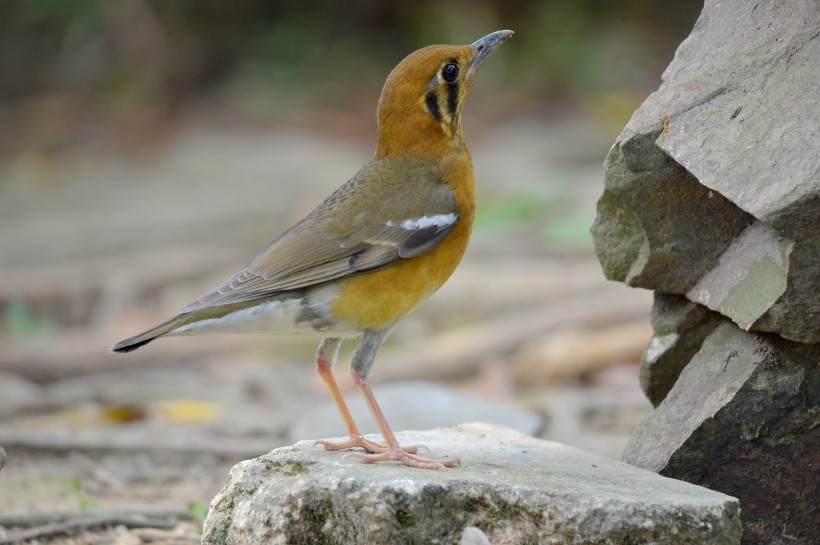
(129,345)
(132,343)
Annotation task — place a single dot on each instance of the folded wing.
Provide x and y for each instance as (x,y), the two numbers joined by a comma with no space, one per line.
(391,210)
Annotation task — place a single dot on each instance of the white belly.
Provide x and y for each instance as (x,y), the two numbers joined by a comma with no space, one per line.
(276,316)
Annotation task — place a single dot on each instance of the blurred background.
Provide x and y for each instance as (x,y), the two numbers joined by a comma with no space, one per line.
(148,149)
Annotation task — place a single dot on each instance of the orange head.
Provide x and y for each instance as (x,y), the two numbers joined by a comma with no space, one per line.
(420,106)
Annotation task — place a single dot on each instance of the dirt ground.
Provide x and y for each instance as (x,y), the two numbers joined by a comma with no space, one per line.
(95,246)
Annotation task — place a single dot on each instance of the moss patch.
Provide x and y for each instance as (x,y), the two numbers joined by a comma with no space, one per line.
(290,468)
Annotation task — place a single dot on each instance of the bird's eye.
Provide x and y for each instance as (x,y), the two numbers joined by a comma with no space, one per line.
(449,73)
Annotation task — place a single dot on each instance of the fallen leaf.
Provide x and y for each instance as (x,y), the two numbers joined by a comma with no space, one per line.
(187,410)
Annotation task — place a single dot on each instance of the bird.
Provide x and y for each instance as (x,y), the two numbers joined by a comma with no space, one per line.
(370,253)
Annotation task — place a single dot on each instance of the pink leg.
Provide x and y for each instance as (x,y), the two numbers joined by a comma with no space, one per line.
(392,450)
(325,358)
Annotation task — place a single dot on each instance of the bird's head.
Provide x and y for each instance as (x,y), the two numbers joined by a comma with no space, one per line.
(420,106)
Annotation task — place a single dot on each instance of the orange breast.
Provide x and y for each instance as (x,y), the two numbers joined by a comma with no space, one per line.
(379,299)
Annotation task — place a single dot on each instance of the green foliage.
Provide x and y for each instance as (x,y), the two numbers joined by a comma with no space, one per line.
(333,50)
(20,319)
(570,231)
(501,215)
(198,510)
(85,502)
(543,216)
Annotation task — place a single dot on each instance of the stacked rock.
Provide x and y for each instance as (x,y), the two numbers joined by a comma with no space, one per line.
(712,199)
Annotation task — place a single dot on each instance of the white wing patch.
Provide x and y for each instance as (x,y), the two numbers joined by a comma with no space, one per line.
(438,220)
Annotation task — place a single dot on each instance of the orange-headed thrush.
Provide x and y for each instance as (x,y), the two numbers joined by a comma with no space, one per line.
(377,247)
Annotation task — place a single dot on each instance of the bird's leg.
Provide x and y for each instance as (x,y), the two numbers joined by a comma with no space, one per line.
(393,450)
(326,356)
(362,361)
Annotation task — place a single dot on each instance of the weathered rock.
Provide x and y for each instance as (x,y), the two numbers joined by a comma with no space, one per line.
(657,227)
(514,488)
(473,536)
(747,125)
(680,327)
(748,278)
(730,137)
(712,194)
(742,418)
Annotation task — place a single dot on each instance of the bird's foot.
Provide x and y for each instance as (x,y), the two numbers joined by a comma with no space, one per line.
(362,442)
(399,454)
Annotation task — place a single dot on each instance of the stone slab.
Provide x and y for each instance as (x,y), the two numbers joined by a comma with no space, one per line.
(742,418)
(680,327)
(656,226)
(748,278)
(751,133)
(515,488)
(729,139)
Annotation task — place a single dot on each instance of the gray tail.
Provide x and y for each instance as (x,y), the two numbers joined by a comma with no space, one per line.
(132,343)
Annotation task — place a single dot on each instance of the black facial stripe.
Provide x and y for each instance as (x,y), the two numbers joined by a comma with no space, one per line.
(452,97)
(432,104)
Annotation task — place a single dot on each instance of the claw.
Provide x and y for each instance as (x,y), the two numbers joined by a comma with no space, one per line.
(403,457)
(362,442)
(355,441)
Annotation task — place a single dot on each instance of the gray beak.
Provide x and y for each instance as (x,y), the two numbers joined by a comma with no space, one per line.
(486,45)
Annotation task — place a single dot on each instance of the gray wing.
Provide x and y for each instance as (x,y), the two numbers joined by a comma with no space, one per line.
(390,210)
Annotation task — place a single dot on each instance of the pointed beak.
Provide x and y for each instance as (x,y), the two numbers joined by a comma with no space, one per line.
(486,45)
